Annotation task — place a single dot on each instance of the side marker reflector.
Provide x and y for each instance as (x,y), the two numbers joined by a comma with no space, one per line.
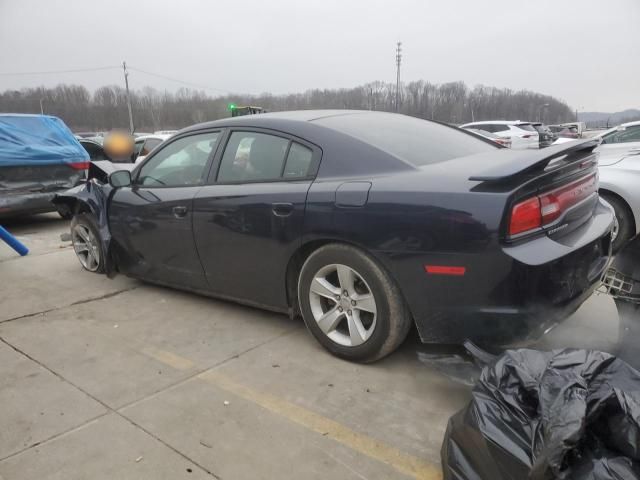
(445,270)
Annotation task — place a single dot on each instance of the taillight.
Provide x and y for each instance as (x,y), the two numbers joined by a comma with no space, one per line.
(556,201)
(547,207)
(79,165)
(525,216)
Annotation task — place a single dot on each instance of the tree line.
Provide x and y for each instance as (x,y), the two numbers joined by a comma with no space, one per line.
(453,102)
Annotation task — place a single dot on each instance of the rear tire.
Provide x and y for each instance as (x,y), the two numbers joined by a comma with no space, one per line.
(360,308)
(87,243)
(624,218)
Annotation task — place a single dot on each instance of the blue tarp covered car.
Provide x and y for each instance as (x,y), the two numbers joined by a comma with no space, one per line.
(39,156)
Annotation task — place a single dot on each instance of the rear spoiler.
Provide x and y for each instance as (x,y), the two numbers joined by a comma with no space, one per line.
(522,161)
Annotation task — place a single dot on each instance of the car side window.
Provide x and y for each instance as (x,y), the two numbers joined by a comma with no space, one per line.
(138,147)
(629,134)
(149,144)
(298,161)
(253,156)
(180,163)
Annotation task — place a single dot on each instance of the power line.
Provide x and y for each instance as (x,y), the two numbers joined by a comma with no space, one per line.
(178,81)
(77,70)
(95,69)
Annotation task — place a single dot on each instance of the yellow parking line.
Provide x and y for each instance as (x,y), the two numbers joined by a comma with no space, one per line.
(168,358)
(404,463)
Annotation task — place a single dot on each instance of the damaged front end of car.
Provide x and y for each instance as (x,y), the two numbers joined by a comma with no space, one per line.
(92,197)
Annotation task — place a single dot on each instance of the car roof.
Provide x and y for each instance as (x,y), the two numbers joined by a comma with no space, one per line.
(497,122)
(89,140)
(479,131)
(296,122)
(159,136)
(289,116)
(23,115)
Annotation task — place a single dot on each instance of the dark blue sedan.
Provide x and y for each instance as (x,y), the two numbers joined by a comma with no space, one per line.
(364,223)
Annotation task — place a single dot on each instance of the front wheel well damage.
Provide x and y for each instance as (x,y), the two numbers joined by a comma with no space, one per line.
(72,205)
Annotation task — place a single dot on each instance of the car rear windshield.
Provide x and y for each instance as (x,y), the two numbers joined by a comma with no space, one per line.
(418,142)
(526,126)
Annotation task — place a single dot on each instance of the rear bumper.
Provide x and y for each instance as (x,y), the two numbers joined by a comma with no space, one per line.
(26,203)
(535,299)
(508,293)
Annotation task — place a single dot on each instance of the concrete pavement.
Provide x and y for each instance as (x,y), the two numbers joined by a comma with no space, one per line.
(113,378)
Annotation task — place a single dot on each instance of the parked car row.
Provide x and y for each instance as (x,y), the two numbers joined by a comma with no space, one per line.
(521,134)
(143,144)
(524,134)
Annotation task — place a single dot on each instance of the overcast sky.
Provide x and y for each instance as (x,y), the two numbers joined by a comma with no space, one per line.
(586,52)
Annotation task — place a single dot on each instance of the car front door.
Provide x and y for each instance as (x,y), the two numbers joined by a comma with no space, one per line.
(248,221)
(621,143)
(151,221)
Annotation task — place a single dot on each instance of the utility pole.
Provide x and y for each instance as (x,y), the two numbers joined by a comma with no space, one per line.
(541,111)
(398,62)
(41,108)
(126,84)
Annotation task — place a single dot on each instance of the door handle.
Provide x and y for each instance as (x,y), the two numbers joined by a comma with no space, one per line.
(282,209)
(634,151)
(179,211)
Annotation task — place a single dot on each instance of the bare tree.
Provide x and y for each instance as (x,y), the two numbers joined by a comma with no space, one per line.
(451,102)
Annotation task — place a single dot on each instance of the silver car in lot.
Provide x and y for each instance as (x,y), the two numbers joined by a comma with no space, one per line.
(522,134)
(620,178)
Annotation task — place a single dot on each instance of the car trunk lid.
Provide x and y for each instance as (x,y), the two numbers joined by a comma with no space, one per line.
(551,191)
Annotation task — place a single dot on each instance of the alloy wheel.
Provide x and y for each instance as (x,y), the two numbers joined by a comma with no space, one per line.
(86,246)
(343,305)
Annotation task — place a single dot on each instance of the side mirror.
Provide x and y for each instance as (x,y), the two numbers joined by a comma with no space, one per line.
(120,178)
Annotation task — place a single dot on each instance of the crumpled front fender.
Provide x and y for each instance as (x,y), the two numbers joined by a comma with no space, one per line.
(93,198)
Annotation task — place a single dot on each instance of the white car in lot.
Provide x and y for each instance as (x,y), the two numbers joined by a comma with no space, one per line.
(619,166)
(522,134)
(145,143)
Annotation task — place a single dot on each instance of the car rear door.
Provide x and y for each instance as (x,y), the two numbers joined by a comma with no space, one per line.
(248,221)
(151,221)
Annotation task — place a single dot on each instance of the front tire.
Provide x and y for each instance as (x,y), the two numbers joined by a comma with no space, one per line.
(87,243)
(351,305)
(625,228)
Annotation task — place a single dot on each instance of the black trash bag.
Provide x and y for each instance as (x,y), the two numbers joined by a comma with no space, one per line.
(565,414)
